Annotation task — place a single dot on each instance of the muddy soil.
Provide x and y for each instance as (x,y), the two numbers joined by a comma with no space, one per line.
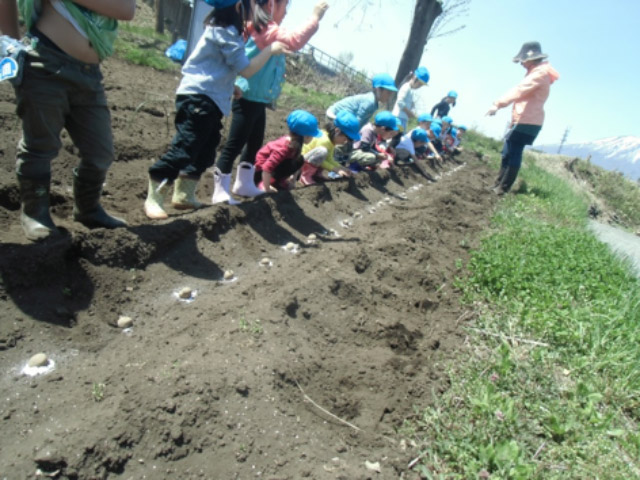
(302,368)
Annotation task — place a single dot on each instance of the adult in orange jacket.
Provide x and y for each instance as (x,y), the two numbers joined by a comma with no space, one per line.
(527,114)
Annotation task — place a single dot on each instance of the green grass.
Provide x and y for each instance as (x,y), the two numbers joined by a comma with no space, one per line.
(619,193)
(297,96)
(548,387)
(142,46)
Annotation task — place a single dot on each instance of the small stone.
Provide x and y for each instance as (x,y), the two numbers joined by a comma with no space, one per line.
(125,322)
(228,274)
(357,215)
(265,262)
(38,360)
(186,292)
(312,237)
(290,246)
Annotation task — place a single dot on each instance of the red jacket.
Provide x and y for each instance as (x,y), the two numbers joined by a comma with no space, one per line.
(529,96)
(273,154)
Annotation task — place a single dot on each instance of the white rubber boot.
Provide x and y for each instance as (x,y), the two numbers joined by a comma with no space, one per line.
(184,194)
(154,204)
(221,185)
(244,184)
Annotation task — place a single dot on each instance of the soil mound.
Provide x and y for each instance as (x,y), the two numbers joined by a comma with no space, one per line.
(302,365)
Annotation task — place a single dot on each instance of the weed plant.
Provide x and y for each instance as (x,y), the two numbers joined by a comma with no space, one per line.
(550,385)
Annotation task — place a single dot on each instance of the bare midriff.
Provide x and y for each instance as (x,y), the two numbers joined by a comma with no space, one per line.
(65,35)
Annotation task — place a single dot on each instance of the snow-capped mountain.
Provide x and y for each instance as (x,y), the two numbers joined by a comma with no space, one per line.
(614,153)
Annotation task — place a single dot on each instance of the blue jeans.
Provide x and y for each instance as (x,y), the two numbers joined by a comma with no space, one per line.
(514,143)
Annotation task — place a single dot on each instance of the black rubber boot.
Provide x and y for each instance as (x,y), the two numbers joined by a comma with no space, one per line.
(34,213)
(87,209)
(509,177)
(498,181)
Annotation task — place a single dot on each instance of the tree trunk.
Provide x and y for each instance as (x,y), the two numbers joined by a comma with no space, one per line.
(160,16)
(425,13)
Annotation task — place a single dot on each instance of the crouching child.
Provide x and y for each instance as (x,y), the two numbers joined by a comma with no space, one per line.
(279,162)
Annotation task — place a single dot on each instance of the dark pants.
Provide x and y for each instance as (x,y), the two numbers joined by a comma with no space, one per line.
(282,172)
(515,141)
(58,91)
(246,133)
(193,148)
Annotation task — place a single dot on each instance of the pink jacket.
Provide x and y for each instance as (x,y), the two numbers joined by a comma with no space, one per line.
(529,96)
(294,40)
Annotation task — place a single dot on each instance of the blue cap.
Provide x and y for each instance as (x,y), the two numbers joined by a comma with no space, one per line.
(425,117)
(221,3)
(452,94)
(436,129)
(386,119)
(303,123)
(419,135)
(399,125)
(454,132)
(348,124)
(422,73)
(384,80)
(447,119)
(462,127)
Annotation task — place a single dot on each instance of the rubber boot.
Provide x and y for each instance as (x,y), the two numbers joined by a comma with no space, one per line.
(244,184)
(184,194)
(221,185)
(34,213)
(307,174)
(498,181)
(87,209)
(510,175)
(154,204)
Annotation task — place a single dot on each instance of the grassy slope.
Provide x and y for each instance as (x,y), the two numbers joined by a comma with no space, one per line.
(548,385)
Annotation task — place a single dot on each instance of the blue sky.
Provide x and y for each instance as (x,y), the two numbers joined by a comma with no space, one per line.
(592,44)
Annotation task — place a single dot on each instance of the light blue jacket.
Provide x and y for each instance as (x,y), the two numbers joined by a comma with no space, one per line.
(363,106)
(266,84)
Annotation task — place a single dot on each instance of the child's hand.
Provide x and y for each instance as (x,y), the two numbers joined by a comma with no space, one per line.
(237,92)
(320,9)
(492,111)
(344,172)
(278,47)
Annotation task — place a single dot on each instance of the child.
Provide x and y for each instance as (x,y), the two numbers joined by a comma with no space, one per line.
(456,145)
(434,138)
(318,154)
(446,123)
(406,149)
(404,108)
(203,98)
(450,139)
(425,121)
(60,69)
(445,104)
(279,161)
(368,151)
(246,132)
(363,106)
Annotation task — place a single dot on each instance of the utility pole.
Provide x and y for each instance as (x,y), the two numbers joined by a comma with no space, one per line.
(564,139)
